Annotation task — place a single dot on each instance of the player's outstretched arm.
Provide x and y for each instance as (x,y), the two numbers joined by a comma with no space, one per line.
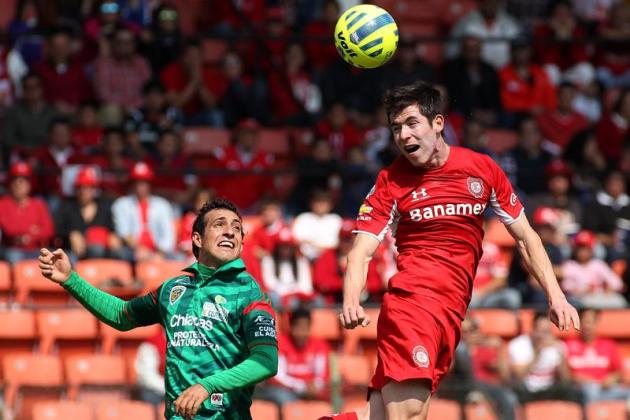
(55,266)
(529,245)
(359,257)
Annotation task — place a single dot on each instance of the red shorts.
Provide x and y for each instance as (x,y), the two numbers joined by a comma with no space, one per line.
(416,339)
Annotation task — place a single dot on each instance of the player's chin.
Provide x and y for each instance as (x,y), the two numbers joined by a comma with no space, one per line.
(415,159)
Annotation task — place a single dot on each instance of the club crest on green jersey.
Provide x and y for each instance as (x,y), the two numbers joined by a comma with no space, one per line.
(176,293)
(220,300)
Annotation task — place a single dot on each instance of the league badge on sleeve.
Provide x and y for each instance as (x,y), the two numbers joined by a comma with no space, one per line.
(475,186)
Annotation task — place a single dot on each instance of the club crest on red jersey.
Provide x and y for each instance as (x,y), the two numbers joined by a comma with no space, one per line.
(420,356)
(475,186)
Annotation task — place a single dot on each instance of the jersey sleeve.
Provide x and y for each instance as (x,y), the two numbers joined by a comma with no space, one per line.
(259,321)
(144,310)
(503,199)
(378,211)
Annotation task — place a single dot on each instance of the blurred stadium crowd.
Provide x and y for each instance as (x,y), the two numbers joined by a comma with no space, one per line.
(120,118)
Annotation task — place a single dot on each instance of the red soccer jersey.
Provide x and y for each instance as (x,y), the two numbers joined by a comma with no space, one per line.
(594,361)
(299,367)
(437,218)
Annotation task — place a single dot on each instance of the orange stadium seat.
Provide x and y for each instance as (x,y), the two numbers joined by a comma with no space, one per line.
(352,338)
(62,410)
(498,234)
(325,324)
(274,141)
(124,410)
(479,411)
(202,140)
(30,377)
(607,410)
(153,273)
(499,140)
(444,410)
(553,410)
(501,322)
(69,331)
(17,331)
(264,410)
(355,370)
(5,282)
(99,270)
(614,323)
(354,403)
(453,10)
(95,376)
(306,409)
(160,410)
(32,287)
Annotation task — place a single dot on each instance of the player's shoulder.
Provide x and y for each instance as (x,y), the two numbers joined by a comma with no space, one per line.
(469,157)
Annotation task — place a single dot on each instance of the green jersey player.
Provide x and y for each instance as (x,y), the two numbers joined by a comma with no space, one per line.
(220,327)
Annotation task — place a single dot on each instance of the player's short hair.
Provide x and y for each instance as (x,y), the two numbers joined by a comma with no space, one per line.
(199,225)
(422,94)
(300,313)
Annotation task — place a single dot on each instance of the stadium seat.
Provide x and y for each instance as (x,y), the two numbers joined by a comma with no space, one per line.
(355,370)
(614,323)
(264,410)
(153,273)
(498,234)
(202,140)
(501,322)
(32,287)
(70,331)
(103,374)
(479,411)
(500,140)
(325,324)
(213,50)
(275,141)
(41,374)
(452,11)
(444,410)
(160,410)
(124,410)
(352,338)
(354,403)
(607,410)
(408,10)
(62,410)
(553,410)
(98,270)
(17,331)
(306,409)
(5,282)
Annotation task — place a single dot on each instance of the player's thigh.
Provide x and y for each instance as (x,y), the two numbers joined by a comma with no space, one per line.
(374,409)
(407,400)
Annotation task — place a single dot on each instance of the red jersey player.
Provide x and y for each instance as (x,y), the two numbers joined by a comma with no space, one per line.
(433,198)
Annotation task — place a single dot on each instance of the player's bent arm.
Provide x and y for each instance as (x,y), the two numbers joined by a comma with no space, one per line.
(261,364)
(535,257)
(111,310)
(359,257)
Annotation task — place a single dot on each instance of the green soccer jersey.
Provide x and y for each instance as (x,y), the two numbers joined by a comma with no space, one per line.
(212,319)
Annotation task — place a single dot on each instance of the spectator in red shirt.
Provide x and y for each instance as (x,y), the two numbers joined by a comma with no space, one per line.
(173,180)
(87,132)
(25,222)
(555,43)
(245,183)
(119,76)
(595,363)
(113,162)
(612,56)
(320,46)
(562,124)
(195,88)
(54,157)
(330,267)
(303,369)
(264,238)
(525,86)
(339,131)
(63,77)
(612,129)
(490,288)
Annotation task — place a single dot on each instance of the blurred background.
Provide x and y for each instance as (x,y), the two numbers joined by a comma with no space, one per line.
(118,119)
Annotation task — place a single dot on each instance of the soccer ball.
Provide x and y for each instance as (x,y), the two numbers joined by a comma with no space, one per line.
(366,36)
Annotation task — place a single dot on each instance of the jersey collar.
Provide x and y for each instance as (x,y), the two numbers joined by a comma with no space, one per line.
(202,272)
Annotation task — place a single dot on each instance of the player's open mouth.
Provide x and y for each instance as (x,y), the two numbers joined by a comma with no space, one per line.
(226,244)
(411,148)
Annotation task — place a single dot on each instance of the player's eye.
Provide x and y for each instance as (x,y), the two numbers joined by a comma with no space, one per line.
(237,228)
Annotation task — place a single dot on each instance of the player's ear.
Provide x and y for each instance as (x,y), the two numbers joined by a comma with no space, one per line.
(438,123)
(196,239)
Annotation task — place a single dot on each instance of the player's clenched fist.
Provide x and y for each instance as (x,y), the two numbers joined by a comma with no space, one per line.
(189,401)
(55,265)
(353,315)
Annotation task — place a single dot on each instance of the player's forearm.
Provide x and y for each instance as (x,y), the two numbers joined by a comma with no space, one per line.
(260,365)
(539,265)
(107,308)
(355,277)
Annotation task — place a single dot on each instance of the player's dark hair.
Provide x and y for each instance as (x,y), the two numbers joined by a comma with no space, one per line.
(199,225)
(422,94)
(300,313)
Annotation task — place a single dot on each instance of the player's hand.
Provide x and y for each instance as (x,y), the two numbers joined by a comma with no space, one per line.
(352,316)
(55,265)
(563,314)
(189,401)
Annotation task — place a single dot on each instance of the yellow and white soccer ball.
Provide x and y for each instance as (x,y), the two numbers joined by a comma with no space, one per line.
(366,36)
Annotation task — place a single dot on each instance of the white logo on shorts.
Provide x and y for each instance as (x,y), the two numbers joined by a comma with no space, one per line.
(420,356)
(513,200)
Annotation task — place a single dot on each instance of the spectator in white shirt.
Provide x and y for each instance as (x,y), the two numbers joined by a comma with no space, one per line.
(318,229)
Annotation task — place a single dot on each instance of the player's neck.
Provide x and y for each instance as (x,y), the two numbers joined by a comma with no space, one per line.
(440,155)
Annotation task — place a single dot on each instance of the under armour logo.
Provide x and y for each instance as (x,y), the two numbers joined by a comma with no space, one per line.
(415,195)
